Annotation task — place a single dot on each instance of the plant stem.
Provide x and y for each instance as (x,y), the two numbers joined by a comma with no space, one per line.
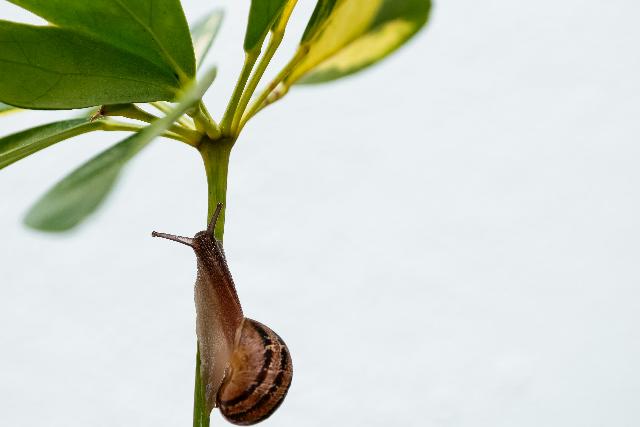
(277,35)
(200,416)
(190,135)
(132,111)
(165,108)
(205,112)
(161,106)
(115,126)
(249,62)
(262,100)
(272,47)
(204,122)
(215,155)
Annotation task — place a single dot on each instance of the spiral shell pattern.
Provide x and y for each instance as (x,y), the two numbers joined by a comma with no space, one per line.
(259,376)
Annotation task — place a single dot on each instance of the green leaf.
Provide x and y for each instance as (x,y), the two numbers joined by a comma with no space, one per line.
(5,109)
(78,195)
(150,29)
(56,68)
(262,16)
(204,32)
(346,36)
(22,144)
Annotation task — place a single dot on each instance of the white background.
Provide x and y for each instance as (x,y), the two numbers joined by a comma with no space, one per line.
(449,239)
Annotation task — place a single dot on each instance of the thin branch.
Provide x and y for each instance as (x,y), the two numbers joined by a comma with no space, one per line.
(110,125)
(262,101)
(277,35)
(165,108)
(249,62)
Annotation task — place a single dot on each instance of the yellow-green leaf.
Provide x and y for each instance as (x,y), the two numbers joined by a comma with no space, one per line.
(318,19)
(345,36)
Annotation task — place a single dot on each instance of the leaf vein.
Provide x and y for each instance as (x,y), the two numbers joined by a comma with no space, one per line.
(65,73)
(47,91)
(153,35)
(16,41)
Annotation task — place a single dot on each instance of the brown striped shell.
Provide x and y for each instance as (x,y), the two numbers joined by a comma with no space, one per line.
(258,378)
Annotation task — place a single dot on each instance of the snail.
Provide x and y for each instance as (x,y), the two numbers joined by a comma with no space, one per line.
(245,366)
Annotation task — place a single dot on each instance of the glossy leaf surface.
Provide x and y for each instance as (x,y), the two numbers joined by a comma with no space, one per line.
(262,16)
(78,195)
(54,68)
(204,32)
(22,144)
(345,36)
(156,30)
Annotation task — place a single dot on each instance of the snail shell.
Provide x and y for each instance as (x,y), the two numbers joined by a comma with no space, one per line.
(258,378)
(245,366)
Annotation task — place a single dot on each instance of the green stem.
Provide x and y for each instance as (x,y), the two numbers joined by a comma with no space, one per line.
(161,106)
(250,60)
(166,108)
(215,155)
(272,47)
(204,122)
(200,416)
(131,111)
(190,135)
(175,136)
(277,34)
(262,100)
(115,126)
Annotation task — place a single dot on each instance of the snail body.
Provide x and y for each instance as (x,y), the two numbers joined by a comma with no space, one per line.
(245,366)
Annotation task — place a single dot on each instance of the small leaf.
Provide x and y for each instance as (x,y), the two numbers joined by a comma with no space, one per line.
(154,30)
(22,144)
(262,16)
(50,67)
(204,32)
(346,36)
(78,195)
